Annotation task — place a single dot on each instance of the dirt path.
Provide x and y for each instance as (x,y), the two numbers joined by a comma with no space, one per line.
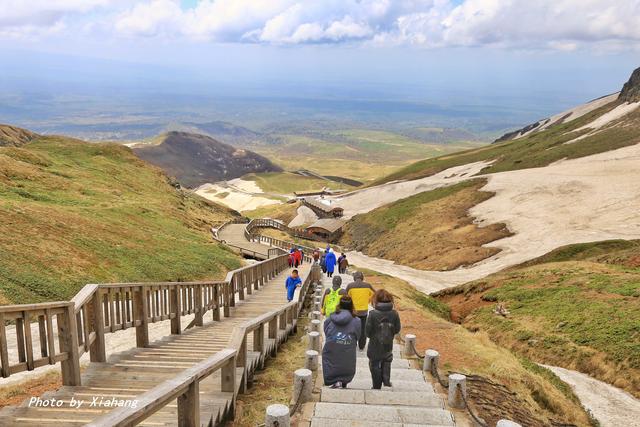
(609,405)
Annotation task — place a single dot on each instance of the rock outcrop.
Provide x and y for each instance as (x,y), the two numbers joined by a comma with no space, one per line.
(631,89)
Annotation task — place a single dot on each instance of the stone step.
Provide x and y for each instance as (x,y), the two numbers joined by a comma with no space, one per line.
(386,414)
(398,385)
(331,422)
(424,399)
(396,374)
(362,363)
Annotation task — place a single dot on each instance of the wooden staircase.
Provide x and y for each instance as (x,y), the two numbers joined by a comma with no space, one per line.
(249,331)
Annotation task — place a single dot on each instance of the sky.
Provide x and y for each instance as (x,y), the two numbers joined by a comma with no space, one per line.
(548,53)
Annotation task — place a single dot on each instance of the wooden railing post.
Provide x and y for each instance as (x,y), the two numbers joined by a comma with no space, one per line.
(189,406)
(216,298)
(258,339)
(227,298)
(97,352)
(4,355)
(198,320)
(228,374)
(141,309)
(241,362)
(68,337)
(234,289)
(175,306)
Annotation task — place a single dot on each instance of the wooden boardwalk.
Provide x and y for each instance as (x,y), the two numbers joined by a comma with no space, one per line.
(128,375)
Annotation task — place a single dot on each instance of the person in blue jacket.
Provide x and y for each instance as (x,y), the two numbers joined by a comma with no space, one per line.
(330,261)
(293,282)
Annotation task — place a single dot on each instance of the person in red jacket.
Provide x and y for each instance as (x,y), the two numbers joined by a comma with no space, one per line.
(297,256)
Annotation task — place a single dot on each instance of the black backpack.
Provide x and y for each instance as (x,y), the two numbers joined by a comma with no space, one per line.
(386,332)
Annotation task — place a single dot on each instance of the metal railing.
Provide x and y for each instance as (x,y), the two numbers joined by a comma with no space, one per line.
(459,389)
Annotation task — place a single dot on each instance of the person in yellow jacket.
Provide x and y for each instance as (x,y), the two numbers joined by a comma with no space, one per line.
(331,297)
(361,293)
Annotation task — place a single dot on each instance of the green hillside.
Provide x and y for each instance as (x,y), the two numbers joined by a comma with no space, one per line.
(76,213)
(536,150)
(576,307)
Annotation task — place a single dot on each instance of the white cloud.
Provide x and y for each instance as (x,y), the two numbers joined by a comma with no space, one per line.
(19,18)
(541,24)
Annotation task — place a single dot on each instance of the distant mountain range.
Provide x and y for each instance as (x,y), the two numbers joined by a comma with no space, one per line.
(198,159)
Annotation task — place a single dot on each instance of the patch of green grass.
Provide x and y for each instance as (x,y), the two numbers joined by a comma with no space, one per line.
(76,213)
(536,150)
(433,305)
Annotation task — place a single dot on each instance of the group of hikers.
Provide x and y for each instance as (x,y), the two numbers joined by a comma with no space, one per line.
(328,261)
(296,257)
(349,324)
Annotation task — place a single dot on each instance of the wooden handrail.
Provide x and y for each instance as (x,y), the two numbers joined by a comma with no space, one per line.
(158,397)
(185,386)
(99,309)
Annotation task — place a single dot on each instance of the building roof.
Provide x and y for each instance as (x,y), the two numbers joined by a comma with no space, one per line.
(323,205)
(328,224)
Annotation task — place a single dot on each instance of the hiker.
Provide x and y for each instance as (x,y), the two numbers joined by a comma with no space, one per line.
(330,262)
(382,326)
(342,330)
(301,255)
(361,293)
(293,282)
(343,264)
(297,256)
(323,262)
(331,297)
(292,260)
(316,256)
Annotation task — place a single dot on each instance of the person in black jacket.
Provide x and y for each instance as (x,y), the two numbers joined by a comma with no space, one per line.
(382,326)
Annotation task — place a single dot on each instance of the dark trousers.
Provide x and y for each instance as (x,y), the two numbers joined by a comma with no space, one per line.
(381,371)
(363,338)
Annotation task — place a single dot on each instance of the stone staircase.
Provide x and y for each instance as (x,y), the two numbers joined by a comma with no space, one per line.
(411,401)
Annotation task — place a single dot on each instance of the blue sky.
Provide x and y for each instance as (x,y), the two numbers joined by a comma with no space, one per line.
(547,52)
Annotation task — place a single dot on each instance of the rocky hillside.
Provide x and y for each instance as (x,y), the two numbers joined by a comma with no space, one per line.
(11,136)
(198,159)
(75,213)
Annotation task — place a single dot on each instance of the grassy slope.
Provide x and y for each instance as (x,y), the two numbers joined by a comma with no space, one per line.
(577,307)
(536,150)
(75,213)
(287,182)
(431,230)
(534,396)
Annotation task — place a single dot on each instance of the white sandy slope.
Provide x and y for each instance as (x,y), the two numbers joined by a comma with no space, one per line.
(368,199)
(305,216)
(571,201)
(609,405)
(238,196)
